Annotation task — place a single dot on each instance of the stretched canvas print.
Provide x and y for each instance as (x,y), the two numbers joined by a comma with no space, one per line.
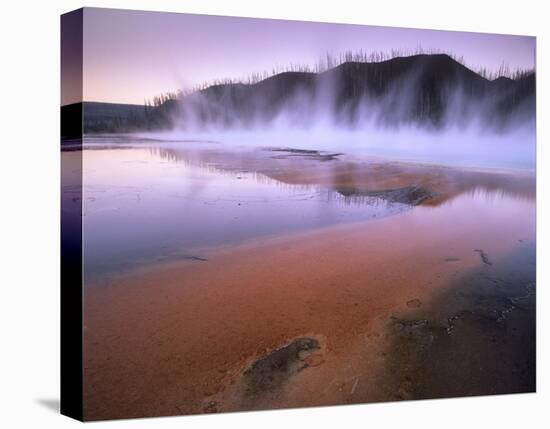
(262,214)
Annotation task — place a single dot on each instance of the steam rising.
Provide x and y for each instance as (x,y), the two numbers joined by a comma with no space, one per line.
(426,107)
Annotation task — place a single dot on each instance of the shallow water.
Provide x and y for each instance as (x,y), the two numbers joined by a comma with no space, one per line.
(142,206)
(433,293)
(146,201)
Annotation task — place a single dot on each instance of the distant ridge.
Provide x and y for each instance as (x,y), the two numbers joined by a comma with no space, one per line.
(426,90)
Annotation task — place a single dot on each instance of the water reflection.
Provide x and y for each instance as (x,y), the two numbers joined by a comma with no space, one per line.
(353,173)
(139,209)
(150,202)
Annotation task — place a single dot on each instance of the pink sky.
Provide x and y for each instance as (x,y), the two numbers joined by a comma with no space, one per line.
(130,56)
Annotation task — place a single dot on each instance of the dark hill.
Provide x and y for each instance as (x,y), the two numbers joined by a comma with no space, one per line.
(427,90)
(95,117)
(110,117)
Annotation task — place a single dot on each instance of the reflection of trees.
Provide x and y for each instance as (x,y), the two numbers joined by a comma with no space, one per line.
(307,173)
(363,176)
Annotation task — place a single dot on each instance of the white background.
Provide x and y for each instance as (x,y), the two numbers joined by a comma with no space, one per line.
(29,210)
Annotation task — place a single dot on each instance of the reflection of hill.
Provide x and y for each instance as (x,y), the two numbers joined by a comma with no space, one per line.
(361,180)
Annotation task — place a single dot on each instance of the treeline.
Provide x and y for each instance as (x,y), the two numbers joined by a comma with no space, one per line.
(423,89)
(352,75)
(330,61)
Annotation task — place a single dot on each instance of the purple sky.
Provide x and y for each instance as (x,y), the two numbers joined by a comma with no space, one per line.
(131,55)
